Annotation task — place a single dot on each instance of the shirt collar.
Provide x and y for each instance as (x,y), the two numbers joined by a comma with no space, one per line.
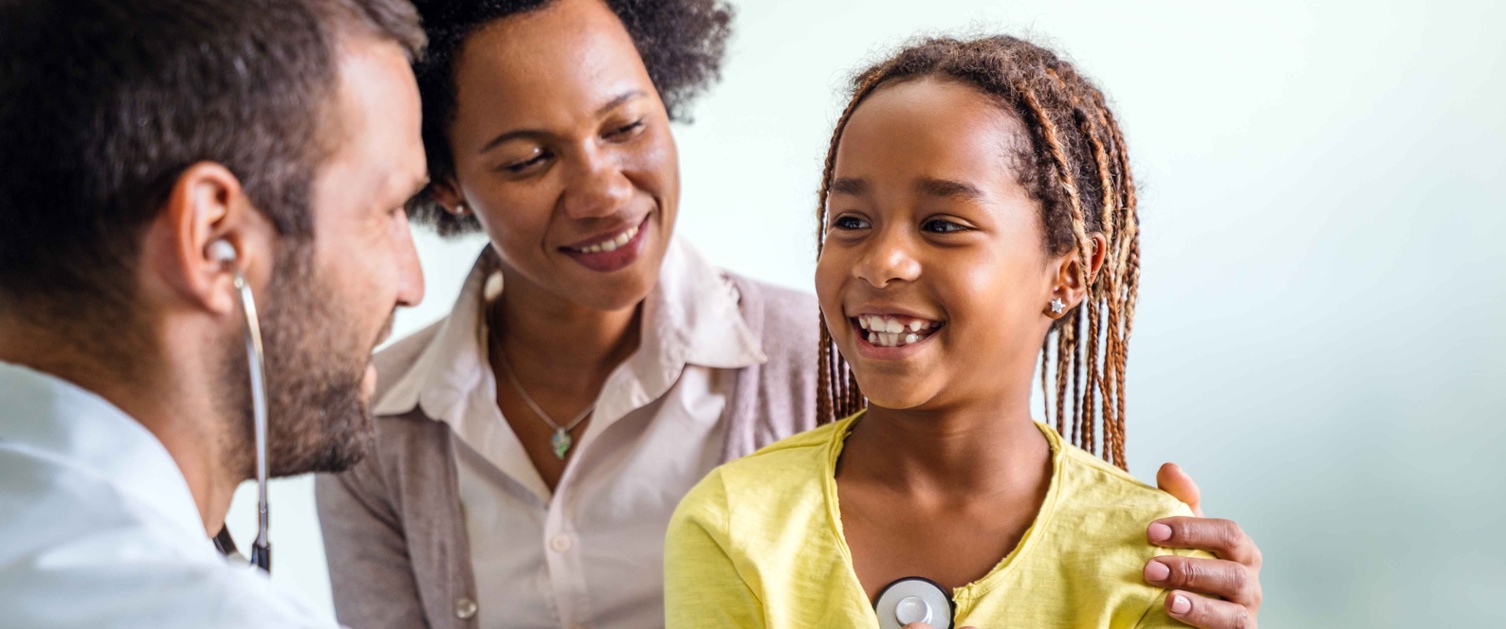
(691,317)
(56,418)
(452,363)
(694,313)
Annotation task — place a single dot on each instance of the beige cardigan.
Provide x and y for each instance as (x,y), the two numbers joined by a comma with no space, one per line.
(393,532)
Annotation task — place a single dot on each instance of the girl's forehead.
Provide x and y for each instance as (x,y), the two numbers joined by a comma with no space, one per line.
(936,127)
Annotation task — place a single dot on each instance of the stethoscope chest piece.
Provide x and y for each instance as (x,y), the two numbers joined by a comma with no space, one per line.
(914,599)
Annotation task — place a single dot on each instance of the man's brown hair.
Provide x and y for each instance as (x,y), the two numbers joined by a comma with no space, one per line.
(103,104)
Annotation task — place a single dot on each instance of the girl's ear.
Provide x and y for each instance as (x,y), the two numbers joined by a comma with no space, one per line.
(1068,289)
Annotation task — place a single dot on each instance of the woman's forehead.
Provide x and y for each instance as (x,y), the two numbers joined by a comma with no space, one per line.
(571,59)
(570,35)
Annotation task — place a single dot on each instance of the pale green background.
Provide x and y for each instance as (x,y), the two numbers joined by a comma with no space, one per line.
(1319,338)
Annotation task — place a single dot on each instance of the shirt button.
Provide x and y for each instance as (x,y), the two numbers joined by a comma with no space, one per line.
(560,543)
(465,609)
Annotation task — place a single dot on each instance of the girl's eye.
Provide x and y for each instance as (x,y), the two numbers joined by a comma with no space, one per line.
(627,129)
(942,226)
(518,167)
(849,223)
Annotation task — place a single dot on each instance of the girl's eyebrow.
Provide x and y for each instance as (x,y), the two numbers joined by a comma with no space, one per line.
(849,186)
(927,186)
(948,189)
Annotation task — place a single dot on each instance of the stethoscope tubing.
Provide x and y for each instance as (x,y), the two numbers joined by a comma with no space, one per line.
(261,548)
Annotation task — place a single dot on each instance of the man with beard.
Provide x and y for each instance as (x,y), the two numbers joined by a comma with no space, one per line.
(143,141)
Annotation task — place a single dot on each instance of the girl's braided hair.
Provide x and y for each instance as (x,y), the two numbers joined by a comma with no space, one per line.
(1076,166)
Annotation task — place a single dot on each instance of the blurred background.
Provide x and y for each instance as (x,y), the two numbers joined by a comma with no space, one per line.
(1320,337)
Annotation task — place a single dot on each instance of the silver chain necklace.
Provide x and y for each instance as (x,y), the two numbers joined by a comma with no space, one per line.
(561,440)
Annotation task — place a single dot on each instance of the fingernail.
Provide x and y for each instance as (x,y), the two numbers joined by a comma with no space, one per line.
(1180,604)
(1156,572)
(1159,532)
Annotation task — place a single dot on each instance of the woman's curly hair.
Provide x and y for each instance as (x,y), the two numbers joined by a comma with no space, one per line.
(681,41)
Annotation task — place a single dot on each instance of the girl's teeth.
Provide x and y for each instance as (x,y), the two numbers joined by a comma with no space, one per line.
(888,332)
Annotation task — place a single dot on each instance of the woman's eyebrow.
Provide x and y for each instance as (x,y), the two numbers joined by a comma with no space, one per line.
(534,134)
(513,135)
(619,100)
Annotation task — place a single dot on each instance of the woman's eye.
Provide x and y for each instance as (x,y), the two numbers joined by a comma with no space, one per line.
(849,223)
(627,129)
(518,167)
(942,226)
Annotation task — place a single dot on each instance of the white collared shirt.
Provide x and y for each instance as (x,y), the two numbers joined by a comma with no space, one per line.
(591,554)
(98,528)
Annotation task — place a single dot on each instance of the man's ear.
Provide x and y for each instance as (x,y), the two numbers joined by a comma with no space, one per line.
(205,205)
(1068,283)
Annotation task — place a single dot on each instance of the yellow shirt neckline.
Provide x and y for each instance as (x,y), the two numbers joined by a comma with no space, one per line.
(965,595)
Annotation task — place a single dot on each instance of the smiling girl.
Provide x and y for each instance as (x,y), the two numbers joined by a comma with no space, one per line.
(977,213)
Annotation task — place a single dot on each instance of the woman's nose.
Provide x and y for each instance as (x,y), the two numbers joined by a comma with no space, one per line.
(599,188)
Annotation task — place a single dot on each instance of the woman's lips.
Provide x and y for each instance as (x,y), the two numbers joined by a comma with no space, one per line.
(612,252)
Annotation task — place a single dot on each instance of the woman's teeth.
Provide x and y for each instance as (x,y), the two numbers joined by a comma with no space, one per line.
(895,331)
(613,244)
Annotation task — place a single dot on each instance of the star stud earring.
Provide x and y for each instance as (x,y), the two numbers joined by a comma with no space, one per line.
(1057,306)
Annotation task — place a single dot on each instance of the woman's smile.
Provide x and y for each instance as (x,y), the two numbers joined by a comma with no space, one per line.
(613,250)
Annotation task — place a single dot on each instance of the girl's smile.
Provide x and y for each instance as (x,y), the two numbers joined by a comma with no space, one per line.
(892,336)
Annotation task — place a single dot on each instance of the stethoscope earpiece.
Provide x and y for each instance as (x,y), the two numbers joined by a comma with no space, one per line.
(914,599)
(222,251)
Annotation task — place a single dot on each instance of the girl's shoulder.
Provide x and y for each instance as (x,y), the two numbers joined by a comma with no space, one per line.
(1090,482)
(1099,513)
(796,460)
(770,486)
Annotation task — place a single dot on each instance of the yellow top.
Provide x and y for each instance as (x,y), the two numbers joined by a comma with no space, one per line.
(758,543)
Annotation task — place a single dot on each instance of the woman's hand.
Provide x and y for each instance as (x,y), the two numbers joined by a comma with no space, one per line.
(1221,593)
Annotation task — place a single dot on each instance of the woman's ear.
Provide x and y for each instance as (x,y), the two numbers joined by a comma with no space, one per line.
(1068,288)
(446,192)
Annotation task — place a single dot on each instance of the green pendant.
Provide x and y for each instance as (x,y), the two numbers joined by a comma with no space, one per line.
(561,442)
